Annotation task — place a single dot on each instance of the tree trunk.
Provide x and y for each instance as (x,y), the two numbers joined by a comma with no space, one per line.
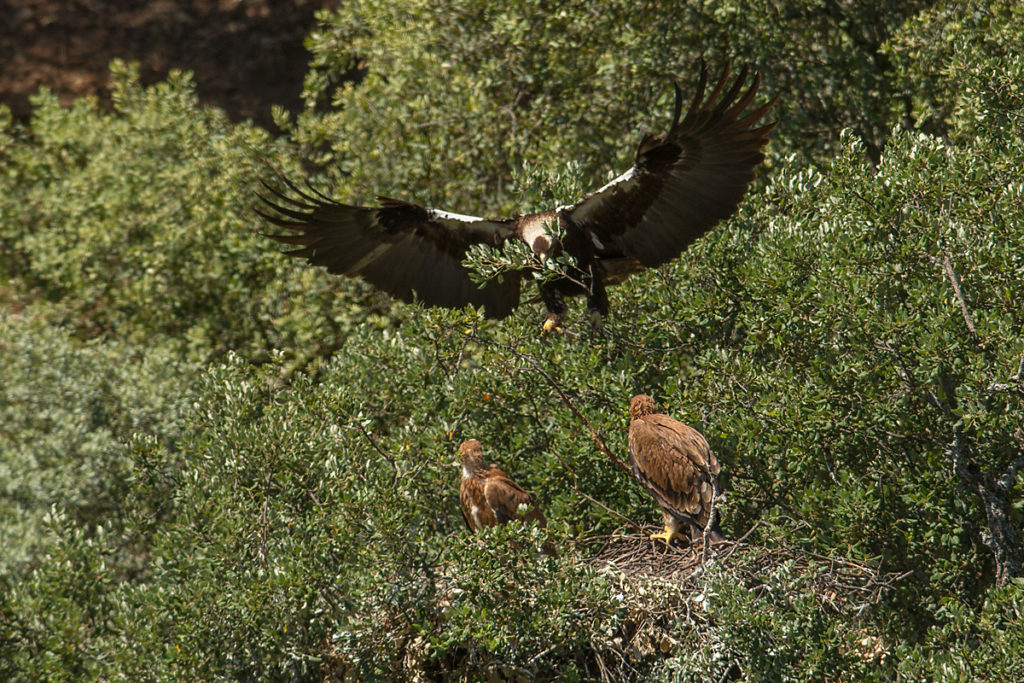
(1002,538)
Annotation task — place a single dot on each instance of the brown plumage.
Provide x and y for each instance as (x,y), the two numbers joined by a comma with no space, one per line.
(676,466)
(679,187)
(488,497)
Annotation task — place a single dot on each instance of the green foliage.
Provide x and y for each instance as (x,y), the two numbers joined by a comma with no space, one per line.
(853,361)
(487,604)
(459,95)
(850,344)
(959,66)
(973,644)
(775,630)
(140,222)
(66,412)
(47,619)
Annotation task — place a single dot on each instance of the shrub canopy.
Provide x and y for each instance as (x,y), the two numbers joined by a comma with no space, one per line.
(217,463)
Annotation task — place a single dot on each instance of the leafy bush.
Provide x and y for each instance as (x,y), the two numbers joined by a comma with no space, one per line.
(850,343)
(139,224)
(66,412)
(457,96)
(972,643)
(958,65)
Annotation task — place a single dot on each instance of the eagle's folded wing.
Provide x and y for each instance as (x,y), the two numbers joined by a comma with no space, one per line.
(505,497)
(675,464)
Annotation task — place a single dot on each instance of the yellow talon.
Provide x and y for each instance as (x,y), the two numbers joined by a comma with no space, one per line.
(551,325)
(667,536)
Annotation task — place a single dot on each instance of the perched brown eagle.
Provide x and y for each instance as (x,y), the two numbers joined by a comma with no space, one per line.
(488,496)
(676,466)
(678,188)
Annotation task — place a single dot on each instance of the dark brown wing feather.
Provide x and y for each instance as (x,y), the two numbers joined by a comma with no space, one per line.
(682,185)
(465,503)
(676,465)
(465,515)
(399,247)
(504,497)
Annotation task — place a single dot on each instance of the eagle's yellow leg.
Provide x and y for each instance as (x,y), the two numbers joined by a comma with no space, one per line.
(551,324)
(667,536)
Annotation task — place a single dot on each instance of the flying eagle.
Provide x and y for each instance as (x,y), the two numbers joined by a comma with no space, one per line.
(676,466)
(488,496)
(678,188)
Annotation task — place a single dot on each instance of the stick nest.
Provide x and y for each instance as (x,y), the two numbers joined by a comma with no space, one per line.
(841,584)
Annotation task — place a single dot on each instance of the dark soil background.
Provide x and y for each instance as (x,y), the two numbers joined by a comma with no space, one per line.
(246,54)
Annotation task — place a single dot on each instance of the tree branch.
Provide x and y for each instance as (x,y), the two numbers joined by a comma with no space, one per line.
(377,448)
(598,441)
(576,488)
(572,406)
(593,434)
(947,265)
(1006,481)
(1001,538)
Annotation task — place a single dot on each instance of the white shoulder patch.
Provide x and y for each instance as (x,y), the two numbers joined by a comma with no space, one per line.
(448,215)
(581,213)
(621,179)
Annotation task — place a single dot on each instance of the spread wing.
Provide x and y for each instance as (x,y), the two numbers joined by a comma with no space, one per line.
(676,465)
(504,498)
(405,249)
(681,185)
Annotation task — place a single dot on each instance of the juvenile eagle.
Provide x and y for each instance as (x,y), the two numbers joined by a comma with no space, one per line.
(488,497)
(676,466)
(678,188)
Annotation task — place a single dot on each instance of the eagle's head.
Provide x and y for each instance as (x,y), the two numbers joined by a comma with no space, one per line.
(472,453)
(641,405)
(538,232)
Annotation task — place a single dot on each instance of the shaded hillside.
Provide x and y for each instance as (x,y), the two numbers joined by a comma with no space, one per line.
(246,54)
